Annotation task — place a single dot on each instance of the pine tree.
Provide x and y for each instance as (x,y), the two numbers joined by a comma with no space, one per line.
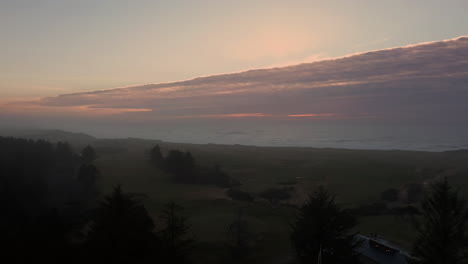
(156,157)
(121,231)
(176,245)
(88,155)
(442,231)
(240,236)
(87,180)
(323,228)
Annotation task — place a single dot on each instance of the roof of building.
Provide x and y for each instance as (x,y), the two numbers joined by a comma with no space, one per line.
(381,251)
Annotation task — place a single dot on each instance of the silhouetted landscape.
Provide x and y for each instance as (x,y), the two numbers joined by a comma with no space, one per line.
(141,201)
(218,131)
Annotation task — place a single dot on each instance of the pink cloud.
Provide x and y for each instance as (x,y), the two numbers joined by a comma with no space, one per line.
(313,115)
(227,115)
(424,81)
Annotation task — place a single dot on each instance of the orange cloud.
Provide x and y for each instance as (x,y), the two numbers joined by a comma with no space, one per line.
(228,115)
(32,108)
(313,115)
(240,115)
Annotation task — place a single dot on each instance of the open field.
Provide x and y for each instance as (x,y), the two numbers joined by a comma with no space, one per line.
(356,177)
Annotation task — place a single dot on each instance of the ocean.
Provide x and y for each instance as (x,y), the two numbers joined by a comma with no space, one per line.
(348,136)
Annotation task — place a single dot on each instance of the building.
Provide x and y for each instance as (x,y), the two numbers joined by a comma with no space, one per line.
(374,250)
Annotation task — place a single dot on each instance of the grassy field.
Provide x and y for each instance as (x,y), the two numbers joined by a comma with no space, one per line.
(356,177)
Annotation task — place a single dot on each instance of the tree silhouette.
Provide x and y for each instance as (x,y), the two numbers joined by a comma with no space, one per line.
(184,169)
(88,155)
(176,245)
(156,157)
(121,231)
(240,236)
(442,231)
(323,228)
(218,176)
(87,178)
(66,158)
(182,165)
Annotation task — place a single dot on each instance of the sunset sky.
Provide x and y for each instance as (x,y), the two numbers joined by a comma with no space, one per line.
(52,47)
(149,61)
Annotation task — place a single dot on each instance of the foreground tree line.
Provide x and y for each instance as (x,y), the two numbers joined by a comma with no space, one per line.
(322,232)
(51,213)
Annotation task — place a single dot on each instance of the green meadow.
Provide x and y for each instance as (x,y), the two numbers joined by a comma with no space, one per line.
(357,177)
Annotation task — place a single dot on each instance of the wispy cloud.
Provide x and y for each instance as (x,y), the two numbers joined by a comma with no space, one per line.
(312,115)
(240,115)
(32,108)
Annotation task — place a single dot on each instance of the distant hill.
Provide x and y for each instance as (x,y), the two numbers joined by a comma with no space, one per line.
(53,135)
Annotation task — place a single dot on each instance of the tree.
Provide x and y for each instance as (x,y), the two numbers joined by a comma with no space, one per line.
(121,231)
(390,195)
(176,245)
(156,157)
(442,231)
(87,177)
(88,155)
(37,187)
(240,236)
(182,165)
(66,158)
(184,169)
(323,228)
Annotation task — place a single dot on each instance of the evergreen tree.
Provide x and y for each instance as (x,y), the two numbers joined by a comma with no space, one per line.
(121,231)
(156,157)
(442,231)
(176,245)
(67,159)
(240,236)
(182,165)
(323,229)
(88,155)
(87,178)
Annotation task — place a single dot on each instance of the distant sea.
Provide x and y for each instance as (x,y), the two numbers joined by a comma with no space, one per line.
(383,137)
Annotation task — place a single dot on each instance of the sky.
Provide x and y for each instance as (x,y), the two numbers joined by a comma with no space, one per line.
(52,47)
(194,68)
(426,82)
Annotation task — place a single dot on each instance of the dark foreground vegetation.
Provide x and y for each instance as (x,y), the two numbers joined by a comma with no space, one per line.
(53,210)
(183,167)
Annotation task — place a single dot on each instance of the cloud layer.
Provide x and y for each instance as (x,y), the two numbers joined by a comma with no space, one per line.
(427,81)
